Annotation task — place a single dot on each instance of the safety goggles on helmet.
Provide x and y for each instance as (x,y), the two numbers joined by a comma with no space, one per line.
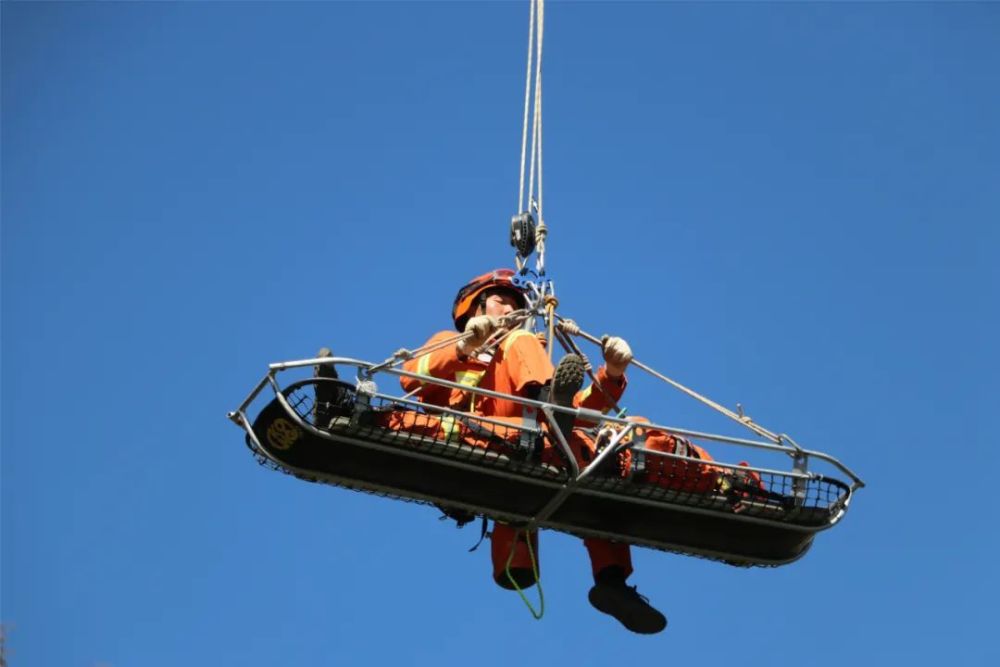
(465,300)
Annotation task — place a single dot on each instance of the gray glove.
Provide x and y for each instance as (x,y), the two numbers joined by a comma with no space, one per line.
(617,355)
(479,328)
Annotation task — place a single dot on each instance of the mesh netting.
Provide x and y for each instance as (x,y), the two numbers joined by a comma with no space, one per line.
(455,436)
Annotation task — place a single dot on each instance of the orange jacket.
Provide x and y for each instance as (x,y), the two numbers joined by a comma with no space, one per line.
(519,361)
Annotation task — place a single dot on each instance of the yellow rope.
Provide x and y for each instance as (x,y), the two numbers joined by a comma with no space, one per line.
(534,569)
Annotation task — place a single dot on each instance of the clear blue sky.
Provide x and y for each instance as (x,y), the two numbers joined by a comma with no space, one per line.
(793,206)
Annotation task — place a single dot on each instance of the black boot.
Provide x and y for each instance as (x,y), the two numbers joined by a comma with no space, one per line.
(327,393)
(614,597)
(566,381)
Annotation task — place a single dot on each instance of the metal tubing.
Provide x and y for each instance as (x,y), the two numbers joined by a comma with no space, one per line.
(451,411)
(253,436)
(253,394)
(609,449)
(782,473)
(581,413)
(318,361)
(703,511)
(561,439)
(346,361)
(628,425)
(593,415)
(748,423)
(572,482)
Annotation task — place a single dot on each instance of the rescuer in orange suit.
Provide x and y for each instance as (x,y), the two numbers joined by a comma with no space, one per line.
(520,366)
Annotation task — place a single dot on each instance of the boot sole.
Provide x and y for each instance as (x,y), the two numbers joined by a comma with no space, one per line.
(326,393)
(567,379)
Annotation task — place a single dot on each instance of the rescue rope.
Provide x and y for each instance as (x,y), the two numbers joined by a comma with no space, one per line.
(403,354)
(527,104)
(536,132)
(509,324)
(535,41)
(568,328)
(510,321)
(540,233)
(573,348)
(533,204)
(534,569)
(739,418)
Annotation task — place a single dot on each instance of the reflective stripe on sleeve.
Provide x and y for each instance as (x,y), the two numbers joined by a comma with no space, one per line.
(520,333)
(424,366)
(470,379)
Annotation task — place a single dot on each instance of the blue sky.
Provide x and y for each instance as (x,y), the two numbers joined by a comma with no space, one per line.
(791,206)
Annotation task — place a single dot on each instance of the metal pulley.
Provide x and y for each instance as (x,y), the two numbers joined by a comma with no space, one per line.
(522,234)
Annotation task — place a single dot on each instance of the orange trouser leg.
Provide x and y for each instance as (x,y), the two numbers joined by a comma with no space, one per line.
(695,476)
(579,443)
(506,539)
(418,423)
(519,362)
(523,361)
(440,427)
(604,553)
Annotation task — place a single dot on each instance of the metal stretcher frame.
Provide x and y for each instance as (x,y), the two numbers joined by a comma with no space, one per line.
(587,502)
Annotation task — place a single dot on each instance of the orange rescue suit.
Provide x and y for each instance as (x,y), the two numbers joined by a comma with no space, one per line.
(518,363)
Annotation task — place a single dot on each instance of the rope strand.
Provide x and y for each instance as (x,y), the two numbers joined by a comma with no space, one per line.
(527,100)
(740,419)
(533,102)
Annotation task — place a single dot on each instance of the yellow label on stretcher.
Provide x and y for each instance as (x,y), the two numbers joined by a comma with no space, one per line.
(282,434)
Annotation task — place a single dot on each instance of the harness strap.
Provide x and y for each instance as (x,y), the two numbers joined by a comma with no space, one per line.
(482,534)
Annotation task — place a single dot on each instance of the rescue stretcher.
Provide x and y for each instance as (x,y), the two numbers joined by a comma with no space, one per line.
(672,501)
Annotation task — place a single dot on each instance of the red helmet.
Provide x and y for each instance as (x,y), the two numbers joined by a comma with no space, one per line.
(465,300)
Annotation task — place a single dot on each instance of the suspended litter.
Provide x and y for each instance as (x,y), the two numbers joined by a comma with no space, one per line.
(673,501)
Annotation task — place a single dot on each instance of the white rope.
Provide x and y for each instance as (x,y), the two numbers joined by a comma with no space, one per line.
(533,204)
(541,230)
(527,100)
(536,130)
(538,101)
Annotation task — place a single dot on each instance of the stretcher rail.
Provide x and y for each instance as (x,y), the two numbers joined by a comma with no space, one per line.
(582,413)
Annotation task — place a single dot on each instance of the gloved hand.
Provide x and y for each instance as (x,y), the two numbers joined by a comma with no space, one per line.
(480,328)
(617,355)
